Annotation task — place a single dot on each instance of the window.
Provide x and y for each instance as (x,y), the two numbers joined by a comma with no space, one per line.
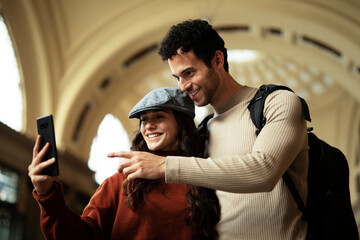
(111,137)
(9,181)
(11,222)
(10,114)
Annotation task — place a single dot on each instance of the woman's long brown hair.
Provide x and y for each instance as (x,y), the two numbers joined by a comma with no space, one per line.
(204,208)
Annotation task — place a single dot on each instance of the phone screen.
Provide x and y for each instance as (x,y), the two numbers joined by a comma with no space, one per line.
(45,127)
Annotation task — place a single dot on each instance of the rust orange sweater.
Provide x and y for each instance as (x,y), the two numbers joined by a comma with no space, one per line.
(107,217)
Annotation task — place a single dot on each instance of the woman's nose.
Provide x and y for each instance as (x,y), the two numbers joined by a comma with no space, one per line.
(150,125)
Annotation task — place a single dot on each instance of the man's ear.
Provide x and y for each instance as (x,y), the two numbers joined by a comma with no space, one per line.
(219,59)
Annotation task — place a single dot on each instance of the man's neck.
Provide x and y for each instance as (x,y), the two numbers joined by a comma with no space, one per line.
(228,87)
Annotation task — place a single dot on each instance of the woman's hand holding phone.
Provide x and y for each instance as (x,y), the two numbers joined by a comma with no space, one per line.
(42,183)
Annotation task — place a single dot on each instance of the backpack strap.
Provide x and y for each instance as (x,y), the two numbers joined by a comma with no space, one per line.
(203,131)
(305,109)
(290,184)
(257,103)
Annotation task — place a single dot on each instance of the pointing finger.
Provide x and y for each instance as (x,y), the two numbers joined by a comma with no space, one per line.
(122,154)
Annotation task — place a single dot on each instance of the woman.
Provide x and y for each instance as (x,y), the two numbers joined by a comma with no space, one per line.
(140,209)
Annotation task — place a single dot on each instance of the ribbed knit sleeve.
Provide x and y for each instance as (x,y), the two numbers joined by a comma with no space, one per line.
(260,162)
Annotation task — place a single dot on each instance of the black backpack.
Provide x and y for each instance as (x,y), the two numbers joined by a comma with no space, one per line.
(328,208)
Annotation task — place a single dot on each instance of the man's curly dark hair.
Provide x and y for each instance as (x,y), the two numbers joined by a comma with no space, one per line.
(197,35)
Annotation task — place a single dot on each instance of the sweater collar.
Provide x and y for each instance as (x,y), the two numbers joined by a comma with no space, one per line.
(238,97)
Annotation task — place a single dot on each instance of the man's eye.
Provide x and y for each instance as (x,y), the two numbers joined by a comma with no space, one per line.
(189,73)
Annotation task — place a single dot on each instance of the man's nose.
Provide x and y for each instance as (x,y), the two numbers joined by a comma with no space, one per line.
(183,84)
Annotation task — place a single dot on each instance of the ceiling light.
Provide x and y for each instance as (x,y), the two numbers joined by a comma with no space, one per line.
(240,56)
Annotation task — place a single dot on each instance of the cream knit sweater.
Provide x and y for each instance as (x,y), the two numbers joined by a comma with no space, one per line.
(247,170)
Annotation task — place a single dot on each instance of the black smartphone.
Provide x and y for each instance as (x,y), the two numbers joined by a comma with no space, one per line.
(45,126)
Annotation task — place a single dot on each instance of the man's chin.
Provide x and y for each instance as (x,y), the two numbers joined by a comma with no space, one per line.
(200,101)
(201,104)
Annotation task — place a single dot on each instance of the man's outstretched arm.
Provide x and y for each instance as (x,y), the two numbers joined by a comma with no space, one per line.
(140,164)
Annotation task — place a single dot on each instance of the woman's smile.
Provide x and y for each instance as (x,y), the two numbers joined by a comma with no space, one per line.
(159,129)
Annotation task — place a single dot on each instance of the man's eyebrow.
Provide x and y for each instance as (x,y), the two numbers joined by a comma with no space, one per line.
(183,71)
(186,69)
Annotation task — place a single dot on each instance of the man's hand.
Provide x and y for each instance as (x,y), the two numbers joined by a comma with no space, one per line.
(140,165)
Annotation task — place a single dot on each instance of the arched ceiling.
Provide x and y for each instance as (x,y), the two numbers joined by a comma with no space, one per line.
(82,59)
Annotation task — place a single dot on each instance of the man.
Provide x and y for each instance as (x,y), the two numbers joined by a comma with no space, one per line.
(245,169)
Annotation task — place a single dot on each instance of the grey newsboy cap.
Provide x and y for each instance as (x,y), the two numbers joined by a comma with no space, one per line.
(164,98)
